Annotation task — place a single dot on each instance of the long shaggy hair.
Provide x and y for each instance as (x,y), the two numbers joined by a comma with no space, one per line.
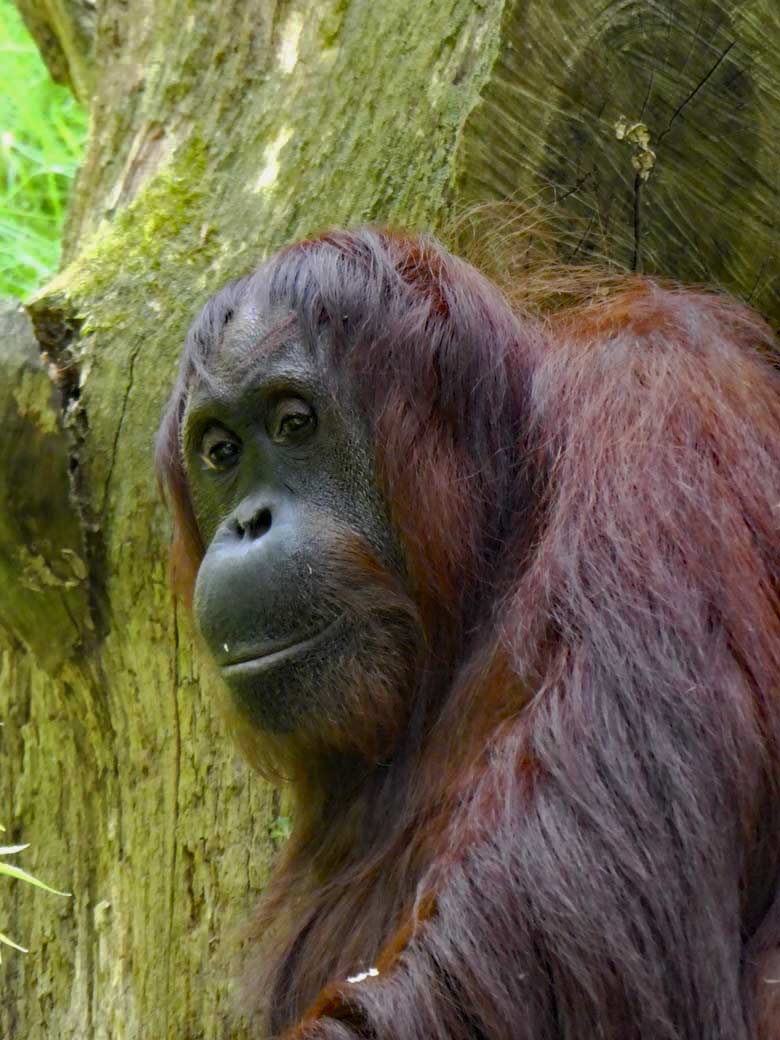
(577,832)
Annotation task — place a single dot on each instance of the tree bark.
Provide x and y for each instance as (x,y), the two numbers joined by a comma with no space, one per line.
(65,33)
(221,130)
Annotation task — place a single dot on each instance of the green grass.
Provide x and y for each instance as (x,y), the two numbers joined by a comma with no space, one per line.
(42,135)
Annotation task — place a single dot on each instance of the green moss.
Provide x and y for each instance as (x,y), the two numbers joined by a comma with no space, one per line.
(167,227)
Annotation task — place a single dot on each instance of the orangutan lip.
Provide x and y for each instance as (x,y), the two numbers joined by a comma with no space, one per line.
(251,660)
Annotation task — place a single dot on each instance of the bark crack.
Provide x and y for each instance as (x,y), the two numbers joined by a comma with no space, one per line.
(583,239)
(122,413)
(699,86)
(57,329)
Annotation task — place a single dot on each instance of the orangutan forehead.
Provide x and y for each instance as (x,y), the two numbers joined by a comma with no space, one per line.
(277,362)
(255,332)
(254,340)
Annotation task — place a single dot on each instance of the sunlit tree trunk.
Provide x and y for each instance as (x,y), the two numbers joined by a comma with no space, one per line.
(220,130)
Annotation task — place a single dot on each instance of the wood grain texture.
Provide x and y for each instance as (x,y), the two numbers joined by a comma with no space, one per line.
(64,31)
(702,75)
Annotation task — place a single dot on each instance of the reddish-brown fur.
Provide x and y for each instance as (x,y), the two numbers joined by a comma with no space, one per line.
(577,832)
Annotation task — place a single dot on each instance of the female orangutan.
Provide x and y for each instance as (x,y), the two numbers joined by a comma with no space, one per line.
(499,594)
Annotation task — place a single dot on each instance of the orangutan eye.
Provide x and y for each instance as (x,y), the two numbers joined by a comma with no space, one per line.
(291,421)
(219,448)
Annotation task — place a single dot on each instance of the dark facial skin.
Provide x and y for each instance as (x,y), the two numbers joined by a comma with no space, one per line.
(285,498)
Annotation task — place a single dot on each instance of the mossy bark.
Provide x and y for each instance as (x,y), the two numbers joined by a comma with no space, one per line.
(220,131)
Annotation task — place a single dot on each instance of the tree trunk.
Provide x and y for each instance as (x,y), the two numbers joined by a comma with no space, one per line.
(221,130)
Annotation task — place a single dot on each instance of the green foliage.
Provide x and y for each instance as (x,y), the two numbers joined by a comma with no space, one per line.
(21,875)
(42,135)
